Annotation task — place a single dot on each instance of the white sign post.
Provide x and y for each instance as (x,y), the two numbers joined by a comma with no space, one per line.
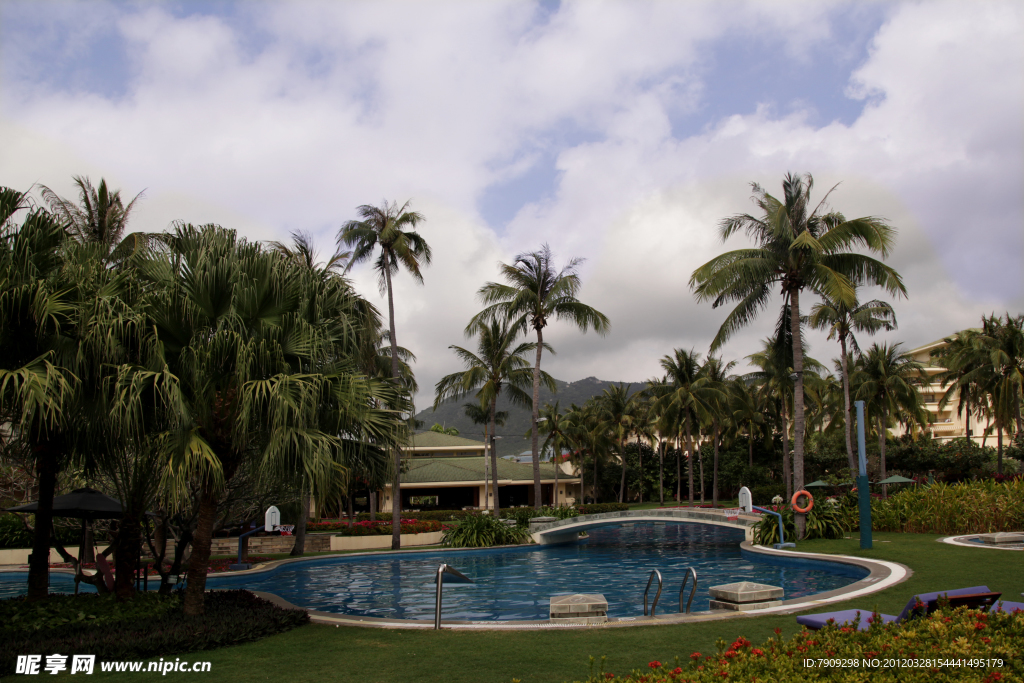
(272,519)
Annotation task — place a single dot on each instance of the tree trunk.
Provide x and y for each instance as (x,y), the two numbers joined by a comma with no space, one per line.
(486,503)
(299,547)
(595,476)
(999,448)
(714,475)
(881,452)
(640,457)
(534,420)
(622,483)
(700,464)
(556,458)
(661,474)
(848,421)
(396,481)
(679,473)
(199,562)
(351,509)
(750,445)
(786,473)
(126,555)
(39,560)
(798,405)
(371,498)
(494,457)
(689,456)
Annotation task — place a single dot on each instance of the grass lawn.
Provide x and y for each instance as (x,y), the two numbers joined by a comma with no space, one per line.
(318,653)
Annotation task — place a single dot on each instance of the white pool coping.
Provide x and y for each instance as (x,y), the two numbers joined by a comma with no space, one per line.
(955,540)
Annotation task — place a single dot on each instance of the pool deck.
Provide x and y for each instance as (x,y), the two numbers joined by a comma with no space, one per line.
(973,541)
(882,575)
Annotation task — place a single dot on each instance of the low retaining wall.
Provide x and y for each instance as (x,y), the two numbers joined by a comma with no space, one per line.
(267,545)
(17,555)
(372,542)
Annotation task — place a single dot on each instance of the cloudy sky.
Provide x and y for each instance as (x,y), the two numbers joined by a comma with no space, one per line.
(618,132)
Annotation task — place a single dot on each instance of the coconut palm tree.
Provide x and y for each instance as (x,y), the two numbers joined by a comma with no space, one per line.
(553,424)
(716,372)
(498,367)
(962,378)
(887,380)
(100,218)
(661,423)
(535,293)
(480,414)
(692,396)
(842,321)
(619,410)
(747,412)
(391,229)
(796,248)
(589,437)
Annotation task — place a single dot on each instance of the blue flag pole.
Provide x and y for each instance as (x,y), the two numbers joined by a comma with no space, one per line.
(863,490)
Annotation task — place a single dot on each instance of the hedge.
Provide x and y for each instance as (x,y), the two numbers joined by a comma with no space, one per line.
(368,528)
(948,645)
(231,617)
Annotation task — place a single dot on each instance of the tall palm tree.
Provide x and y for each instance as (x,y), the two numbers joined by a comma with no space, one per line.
(499,366)
(962,378)
(391,229)
(661,423)
(746,412)
(619,408)
(842,321)
(100,219)
(888,382)
(535,293)
(692,395)
(589,435)
(716,371)
(554,425)
(796,248)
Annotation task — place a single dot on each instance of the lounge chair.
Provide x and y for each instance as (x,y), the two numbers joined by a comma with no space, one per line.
(1007,606)
(976,596)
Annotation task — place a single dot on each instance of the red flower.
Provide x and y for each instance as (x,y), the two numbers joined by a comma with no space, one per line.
(609,676)
(695,656)
(655,665)
(778,631)
(986,640)
(677,670)
(757,652)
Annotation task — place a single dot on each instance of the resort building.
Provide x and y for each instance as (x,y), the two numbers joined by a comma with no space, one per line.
(945,423)
(448,472)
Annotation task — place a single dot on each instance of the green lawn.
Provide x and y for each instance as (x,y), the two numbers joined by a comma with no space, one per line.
(316,653)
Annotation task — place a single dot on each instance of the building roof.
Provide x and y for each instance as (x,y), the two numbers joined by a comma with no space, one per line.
(425,470)
(422,440)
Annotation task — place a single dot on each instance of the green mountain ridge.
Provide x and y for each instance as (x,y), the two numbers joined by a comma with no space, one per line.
(513,439)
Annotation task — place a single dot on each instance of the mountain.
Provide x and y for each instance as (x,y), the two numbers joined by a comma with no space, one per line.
(513,439)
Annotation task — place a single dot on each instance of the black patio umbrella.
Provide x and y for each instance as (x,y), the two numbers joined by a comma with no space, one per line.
(85,504)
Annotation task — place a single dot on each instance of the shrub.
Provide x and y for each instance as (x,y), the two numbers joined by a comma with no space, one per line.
(524,515)
(368,528)
(762,495)
(437,515)
(481,531)
(232,617)
(598,508)
(927,649)
(17,615)
(823,521)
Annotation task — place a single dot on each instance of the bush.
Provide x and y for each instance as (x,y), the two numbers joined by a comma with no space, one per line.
(825,520)
(762,495)
(14,535)
(992,641)
(971,507)
(232,617)
(437,515)
(598,508)
(482,531)
(17,615)
(368,528)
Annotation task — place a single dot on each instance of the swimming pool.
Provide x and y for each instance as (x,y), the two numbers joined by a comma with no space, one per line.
(517,583)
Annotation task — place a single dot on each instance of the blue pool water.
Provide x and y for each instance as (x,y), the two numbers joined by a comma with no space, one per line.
(517,583)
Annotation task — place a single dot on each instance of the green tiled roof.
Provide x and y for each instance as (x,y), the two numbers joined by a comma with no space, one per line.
(425,470)
(439,440)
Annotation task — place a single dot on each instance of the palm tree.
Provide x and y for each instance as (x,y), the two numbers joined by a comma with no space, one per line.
(589,435)
(842,321)
(241,374)
(553,424)
(887,381)
(962,375)
(619,408)
(392,229)
(797,248)
(498,366)
(480,414)
(100,219)
(692,395)
(746,411)
(534,294)
(661,423)
(716,371)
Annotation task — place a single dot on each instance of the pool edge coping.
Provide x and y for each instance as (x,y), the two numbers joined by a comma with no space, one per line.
(954,540)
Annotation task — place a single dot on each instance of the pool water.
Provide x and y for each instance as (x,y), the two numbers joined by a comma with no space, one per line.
(517,583)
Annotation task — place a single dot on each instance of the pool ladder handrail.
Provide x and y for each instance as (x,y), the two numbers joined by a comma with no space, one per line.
(657,595)
(456,577)
(686,577)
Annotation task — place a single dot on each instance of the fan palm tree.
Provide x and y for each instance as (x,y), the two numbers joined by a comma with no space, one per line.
(842,321)
(796,248)
(241,373)
(100,218)
(888,381)
(536,292)
(391,229)
(499,366)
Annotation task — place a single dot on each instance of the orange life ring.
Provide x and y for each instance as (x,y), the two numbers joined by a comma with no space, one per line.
(810,502)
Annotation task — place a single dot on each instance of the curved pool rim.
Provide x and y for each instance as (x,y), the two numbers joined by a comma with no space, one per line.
(882,574)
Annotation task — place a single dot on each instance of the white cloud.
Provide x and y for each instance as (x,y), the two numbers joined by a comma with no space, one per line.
(290,115)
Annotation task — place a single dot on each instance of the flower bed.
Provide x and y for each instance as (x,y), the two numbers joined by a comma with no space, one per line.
(948,645)
(368,528)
